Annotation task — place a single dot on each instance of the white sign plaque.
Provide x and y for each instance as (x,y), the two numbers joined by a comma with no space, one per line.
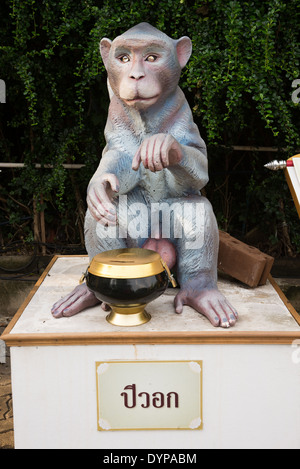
(149,395)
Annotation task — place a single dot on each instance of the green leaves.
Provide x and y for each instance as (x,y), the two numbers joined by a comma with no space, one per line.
(241,53)
(238,81)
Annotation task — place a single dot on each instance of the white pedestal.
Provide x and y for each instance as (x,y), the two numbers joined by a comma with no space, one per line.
(251,372)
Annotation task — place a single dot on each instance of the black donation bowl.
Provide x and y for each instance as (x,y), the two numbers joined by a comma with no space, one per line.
(127,280)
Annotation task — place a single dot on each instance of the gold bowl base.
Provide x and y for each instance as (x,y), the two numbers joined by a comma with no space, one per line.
(127,317)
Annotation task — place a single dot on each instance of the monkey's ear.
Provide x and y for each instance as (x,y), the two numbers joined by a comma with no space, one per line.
(184,50)
(105,45)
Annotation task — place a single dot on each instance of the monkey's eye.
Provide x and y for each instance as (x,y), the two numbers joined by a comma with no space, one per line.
(124,58)
(151,58)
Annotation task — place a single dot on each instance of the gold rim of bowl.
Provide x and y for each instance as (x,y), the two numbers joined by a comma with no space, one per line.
(126,263)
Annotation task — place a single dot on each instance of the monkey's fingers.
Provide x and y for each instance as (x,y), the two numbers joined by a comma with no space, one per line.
(104,219)
(150,153)
(136,161)
(104,199)
(112,180)
(161,160)
(172,152)
(98,209)
(164,153)
(154,153)
(147,153)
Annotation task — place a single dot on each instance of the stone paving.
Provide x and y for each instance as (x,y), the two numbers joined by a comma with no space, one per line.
(6,411)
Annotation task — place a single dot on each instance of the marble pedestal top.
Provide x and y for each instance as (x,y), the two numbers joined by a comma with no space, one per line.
(263,312)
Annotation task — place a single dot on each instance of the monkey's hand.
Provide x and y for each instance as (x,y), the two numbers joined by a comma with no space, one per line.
(100,198)
(158,152)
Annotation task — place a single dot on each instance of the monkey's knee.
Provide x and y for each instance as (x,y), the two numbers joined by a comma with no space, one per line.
(197,249)
(194,224)
(99,238)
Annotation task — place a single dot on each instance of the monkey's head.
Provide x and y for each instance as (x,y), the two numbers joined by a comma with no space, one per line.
(144,65)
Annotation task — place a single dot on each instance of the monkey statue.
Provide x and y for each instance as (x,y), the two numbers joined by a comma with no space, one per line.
(154,155)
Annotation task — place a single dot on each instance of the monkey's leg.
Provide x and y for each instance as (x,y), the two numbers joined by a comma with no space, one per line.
(96,241)
(131,231)
(197,254)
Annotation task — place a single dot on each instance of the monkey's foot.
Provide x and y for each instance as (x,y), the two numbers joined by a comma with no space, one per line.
(78,300)
(209,302)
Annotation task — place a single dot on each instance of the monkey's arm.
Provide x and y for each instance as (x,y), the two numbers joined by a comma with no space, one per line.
(192,168)
(185,164)
(121,144)
(191,171)
(116,162)
(113,175)
(177,147)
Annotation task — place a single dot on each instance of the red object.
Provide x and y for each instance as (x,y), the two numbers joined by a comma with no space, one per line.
(289,163)
(242,262)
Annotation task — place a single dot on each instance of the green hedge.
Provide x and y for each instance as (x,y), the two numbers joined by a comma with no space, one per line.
(238,82)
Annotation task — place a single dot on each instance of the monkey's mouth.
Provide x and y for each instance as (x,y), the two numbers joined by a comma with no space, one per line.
(140,99)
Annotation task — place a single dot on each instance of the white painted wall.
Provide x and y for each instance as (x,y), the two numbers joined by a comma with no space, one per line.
(251,397)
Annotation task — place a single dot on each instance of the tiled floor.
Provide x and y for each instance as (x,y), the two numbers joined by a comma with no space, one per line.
(6,412)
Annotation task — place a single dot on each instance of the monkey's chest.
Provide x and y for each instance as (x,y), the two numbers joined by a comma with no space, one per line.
(155,185)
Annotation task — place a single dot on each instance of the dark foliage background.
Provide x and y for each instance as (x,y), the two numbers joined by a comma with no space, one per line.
(238,83)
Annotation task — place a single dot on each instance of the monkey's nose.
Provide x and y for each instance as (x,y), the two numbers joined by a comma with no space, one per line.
(137,72)
(137,76)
